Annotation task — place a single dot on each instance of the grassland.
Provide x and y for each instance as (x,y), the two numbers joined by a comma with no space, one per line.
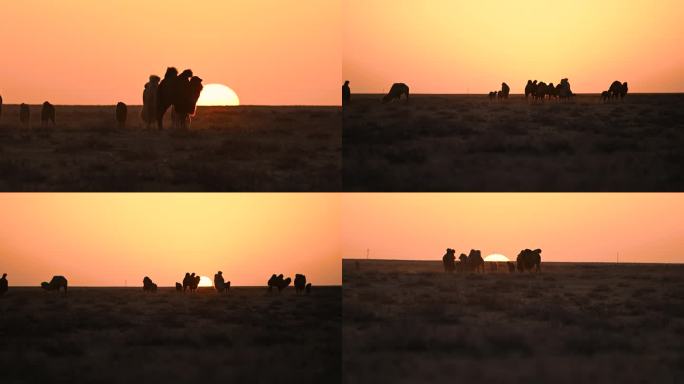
(408,321)
(246,148)
(468,143)
(123,335)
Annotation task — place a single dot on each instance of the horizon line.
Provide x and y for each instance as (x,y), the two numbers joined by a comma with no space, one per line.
(512,260)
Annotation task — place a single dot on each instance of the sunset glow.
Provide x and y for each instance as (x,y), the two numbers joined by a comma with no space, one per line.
(496,258)
(117,239)
(597,227)
(275,52)
(463,46)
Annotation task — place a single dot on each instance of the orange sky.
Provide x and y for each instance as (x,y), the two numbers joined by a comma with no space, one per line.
(101,52)
(461,46)
(106,239)
(566,226)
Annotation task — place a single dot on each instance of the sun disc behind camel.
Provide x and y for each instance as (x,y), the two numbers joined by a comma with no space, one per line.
(218,95)
(497,257)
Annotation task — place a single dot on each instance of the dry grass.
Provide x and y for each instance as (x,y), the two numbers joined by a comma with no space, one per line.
(121,335)
(407,321)
(226,149)
(467,143)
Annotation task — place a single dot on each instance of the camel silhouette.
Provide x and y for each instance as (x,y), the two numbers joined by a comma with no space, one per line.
(47,114)
(185,104)
(529,260)
(179,287)
(55,284)
(300,283)
(121,114)
(148,113)
(221,285)
(4,286)
(190,281)
(448,260)
(397,90)
(530,88)
(24,114)
(278,282)
(505,90)
(346,93)
(618,89)
(149,285)
(165,95)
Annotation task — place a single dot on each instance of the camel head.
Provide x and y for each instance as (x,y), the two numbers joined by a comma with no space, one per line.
(186,74)
(154,79)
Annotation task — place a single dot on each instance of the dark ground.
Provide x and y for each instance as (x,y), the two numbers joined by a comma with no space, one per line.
(408,322)
(467,143)
(123,335)
(246,148)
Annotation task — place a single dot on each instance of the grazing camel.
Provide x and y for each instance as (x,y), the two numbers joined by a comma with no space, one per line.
(24,114)
(346,93)
(4,286)
(55,284)
(529,260)
(121,114)
(221,285)
(397,90)
(618,89)
(47,114)
(148,285)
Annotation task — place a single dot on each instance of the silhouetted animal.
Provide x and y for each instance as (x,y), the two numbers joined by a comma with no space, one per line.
(492,95)
(462,262)
(346,93)
(165,94)
(528,260)
(618,89)
(278,282)
(530,88)
(193,281)
(540,91)
(448,260)
(511,267)
(505,90)
(24,114)
(552,91)
(121,114)
(179,287)
(564,91)
(308,288)
(606,95)
(220,284)
(299,283)
(55,284)
(149,109)
(185,103)
(397,90)
(47,113)
(148,285)
(4,286)
(475,260)
(187,281)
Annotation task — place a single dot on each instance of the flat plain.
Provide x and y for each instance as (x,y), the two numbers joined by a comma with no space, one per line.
(408,321)
(468,143)
(245,148)
(124,335)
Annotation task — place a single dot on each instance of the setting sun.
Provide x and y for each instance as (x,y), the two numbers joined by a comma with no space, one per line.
(496,257)
(205,282)
(218,95)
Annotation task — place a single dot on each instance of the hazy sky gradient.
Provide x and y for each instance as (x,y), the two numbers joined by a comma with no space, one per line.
(566,226)
(100,52)
(106,239)
(460,46)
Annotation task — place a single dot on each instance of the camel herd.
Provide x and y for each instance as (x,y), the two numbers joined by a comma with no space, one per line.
(534,90)
(190,281)
(180,91)
(527,260)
